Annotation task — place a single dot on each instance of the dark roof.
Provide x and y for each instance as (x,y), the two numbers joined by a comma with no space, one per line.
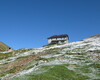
(58,36)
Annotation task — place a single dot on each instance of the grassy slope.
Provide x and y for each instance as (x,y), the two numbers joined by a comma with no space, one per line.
(5,56)
(58,72)
(3,47)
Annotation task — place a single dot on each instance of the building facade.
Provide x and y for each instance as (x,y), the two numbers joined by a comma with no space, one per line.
(58,39)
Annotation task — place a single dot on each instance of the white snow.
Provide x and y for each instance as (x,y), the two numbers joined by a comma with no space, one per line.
(51,55)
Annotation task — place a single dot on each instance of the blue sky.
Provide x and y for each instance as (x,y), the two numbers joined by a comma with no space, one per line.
(28,23)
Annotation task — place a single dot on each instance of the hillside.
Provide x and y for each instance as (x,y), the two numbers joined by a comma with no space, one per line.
(95,36)
(4,47)
(72,61)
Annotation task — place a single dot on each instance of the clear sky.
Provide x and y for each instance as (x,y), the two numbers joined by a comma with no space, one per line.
(28,23)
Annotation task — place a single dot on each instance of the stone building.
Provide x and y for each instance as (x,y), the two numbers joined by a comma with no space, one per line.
(58,39)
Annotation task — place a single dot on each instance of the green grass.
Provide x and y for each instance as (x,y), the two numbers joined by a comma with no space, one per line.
(58,72)
(22,50)
(75,53)
(12,70)
(10,54)
(4,56)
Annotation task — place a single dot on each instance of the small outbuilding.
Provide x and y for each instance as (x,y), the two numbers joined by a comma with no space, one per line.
(58,39)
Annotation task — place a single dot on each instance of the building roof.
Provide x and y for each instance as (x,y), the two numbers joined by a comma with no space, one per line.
(58,36)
